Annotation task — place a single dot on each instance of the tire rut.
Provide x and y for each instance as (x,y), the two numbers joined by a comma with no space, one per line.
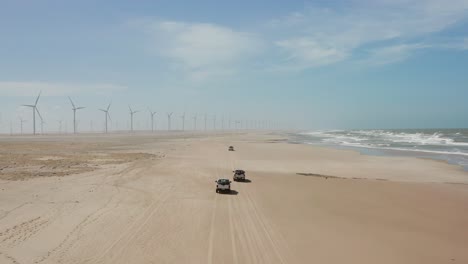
(127,235)
(72,237)
(255,229)
(9,258)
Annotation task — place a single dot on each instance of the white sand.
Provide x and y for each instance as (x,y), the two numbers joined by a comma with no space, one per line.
(164,209)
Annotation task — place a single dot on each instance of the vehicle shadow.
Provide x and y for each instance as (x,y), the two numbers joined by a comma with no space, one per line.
(232,192)
(245,181)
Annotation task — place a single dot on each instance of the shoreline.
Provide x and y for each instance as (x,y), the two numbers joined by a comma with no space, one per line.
(388,152)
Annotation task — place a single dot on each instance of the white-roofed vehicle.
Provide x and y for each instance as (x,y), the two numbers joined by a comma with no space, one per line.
(223,185)
(239,175)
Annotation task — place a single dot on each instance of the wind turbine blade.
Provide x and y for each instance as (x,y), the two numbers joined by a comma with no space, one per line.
(105,111)
(79,108)
(108,107)
(129,108)
(71,101)
(29,105)
(37,110)
(108,115)
(37,100)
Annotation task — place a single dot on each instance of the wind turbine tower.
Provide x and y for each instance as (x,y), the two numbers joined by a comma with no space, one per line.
(206,117)
(42,126)
(183,121)
(131,117)
(34,109)
(107,115)
(22,121)
(152,114)
(74,108)
(194,122)
(214,122)
(169,115)
(60,126)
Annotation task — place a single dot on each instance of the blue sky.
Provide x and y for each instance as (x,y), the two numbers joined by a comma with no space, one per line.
(305,64)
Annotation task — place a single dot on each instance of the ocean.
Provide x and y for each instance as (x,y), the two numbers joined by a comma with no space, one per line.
(450,145)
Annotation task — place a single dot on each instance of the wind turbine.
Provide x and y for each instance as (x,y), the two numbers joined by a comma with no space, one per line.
(206,117)
(34,108)
(131,117)
(22,121)
(194,122)
(152,114)
(74,108)
(183,121)
(214,122)
(169,121)
(42,125)
(60,125)
(107,115)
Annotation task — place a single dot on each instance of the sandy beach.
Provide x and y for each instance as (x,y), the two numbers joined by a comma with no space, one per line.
(151,199)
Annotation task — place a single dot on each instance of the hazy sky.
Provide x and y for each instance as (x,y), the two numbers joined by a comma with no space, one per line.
(307,64)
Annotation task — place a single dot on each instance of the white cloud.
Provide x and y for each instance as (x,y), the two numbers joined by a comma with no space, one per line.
(324,35)
(54,89)
(200,50)
(392,54)
(465,44)
(313,37)
(305,52)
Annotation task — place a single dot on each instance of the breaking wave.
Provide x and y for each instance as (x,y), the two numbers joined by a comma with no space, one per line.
(445,142)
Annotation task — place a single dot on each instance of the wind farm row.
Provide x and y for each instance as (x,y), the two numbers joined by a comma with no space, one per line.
(158,121)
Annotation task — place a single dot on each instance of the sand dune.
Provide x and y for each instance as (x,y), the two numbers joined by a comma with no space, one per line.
(145,199)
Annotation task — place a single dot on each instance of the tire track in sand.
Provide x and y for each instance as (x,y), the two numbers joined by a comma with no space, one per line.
(267,229)
(233,238)
(232,229)
(127,235)
(9,258)
(76,233)
(213,220)
(260,228)
(212,228)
